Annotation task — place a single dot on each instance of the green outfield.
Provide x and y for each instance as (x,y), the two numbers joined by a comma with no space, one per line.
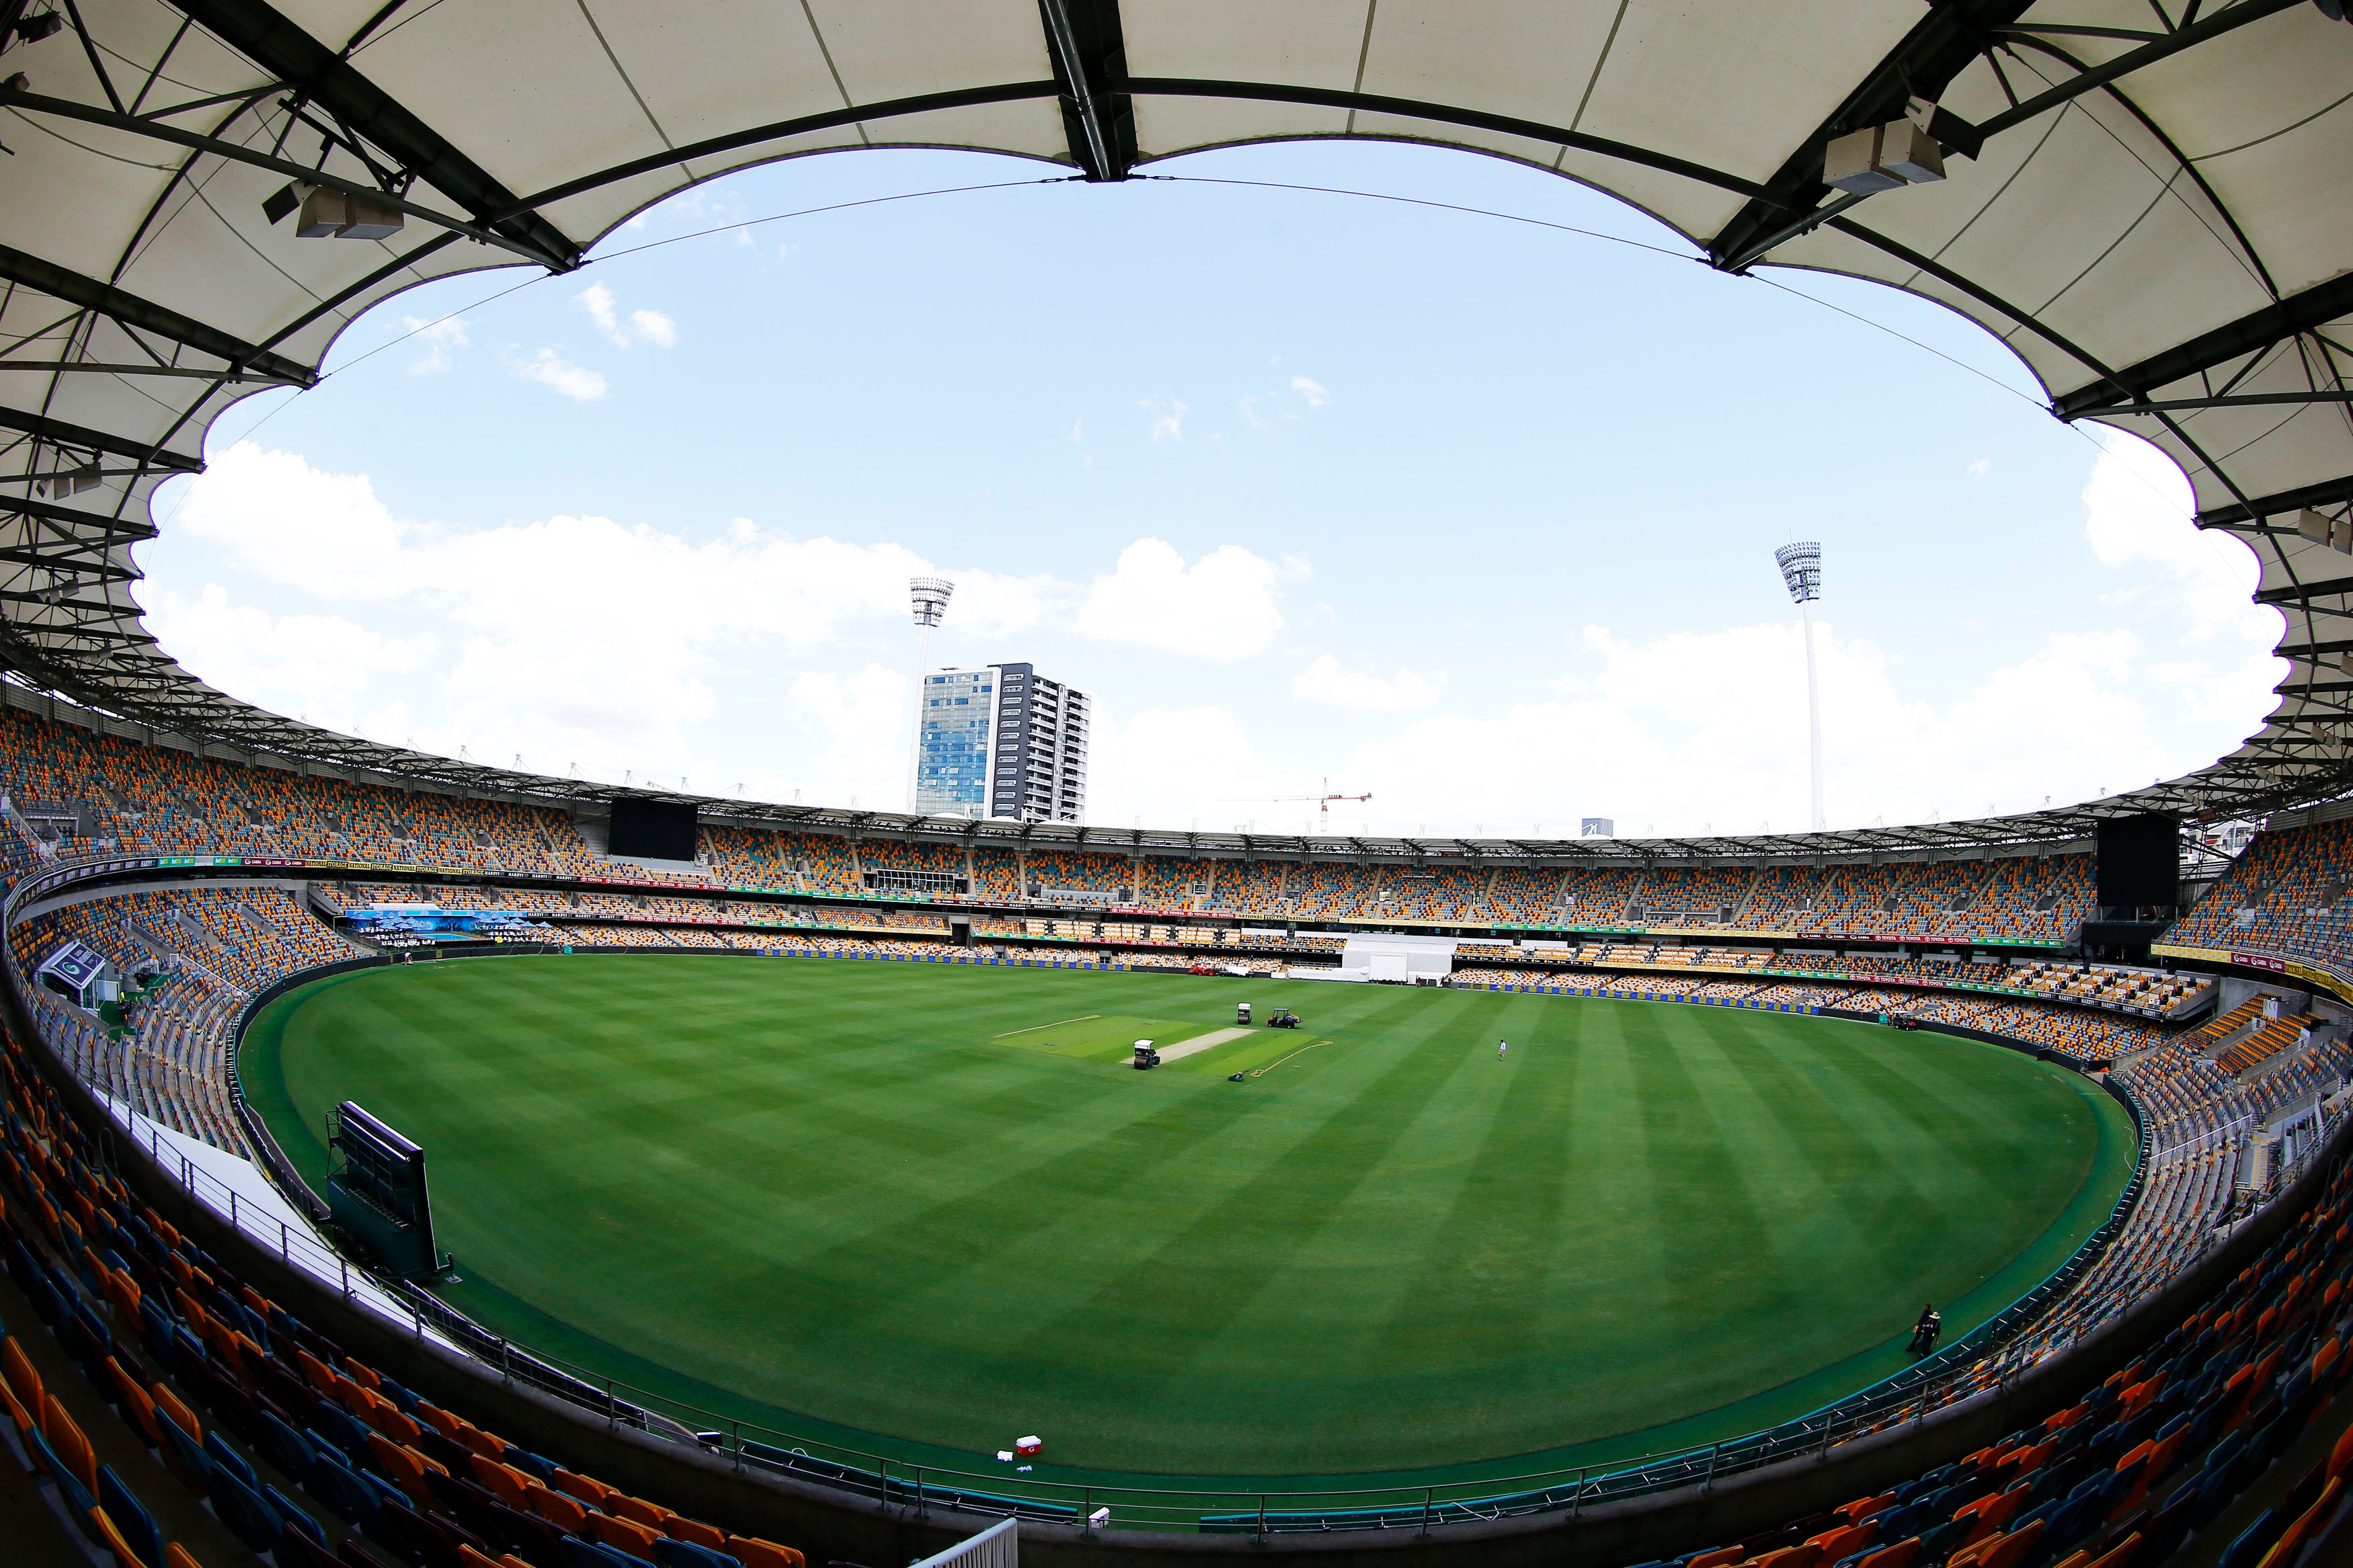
(927,1208)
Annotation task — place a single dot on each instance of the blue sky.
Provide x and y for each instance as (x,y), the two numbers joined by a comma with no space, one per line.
(1473,514)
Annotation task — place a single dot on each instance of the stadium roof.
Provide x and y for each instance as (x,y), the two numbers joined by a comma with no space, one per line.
(2150,201)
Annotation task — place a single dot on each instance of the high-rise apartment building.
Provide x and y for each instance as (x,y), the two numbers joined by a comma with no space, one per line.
(1001,741)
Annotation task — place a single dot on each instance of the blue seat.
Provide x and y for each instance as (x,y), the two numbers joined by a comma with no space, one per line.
(76,1495)
(345,1494)
(687,1554)
(285,1448)
(578,1554)
(130,1517)
(293,1515)
(194,1469)
(2248,1549)
(407,1534)
(249,1516)
(342,1429)
(225,1458)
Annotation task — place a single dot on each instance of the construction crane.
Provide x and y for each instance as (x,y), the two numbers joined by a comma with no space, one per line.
(1322,802)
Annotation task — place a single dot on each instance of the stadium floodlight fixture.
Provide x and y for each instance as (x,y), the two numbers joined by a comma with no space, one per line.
(1802,574)
(930,595)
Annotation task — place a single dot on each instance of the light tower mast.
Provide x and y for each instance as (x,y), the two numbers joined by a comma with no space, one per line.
(929,596)
(1801,570)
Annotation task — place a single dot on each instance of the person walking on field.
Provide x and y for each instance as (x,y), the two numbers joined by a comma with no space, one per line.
(1500,1046)
(1925,1331)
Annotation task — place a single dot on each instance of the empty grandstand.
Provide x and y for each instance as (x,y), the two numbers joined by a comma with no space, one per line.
(1798,1072)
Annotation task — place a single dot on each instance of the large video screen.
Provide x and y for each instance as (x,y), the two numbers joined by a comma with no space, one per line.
(652,830)
(2139,860)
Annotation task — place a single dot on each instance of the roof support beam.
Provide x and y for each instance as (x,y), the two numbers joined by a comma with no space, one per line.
(291,54)
(65,108)
(2327,492)
(2298,592)
(116,530)
(1932,54)
(2229,19)
(92,367)
(1090,60)
(57,433)
(2250,333)
(1445,114)
(116,304)
(2176,405)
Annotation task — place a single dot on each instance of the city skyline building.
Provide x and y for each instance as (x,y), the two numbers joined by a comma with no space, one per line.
(1001,741)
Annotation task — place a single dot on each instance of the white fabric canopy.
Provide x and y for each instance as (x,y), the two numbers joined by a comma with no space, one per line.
(2160,214)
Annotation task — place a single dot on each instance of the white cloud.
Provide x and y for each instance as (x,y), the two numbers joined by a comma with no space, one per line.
(1315,392)
(1169,417)
(314,666)
(2136,513)
(557,373)
(597,300)
(1326,681)
(1173,767)
(863,718)
(642,326)
(1225,605)
(536,668)
(653,327)
(1700,730)
(438,338)
(1979,468)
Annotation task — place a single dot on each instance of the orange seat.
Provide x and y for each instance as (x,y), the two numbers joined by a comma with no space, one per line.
(1899,1556)
(441,1421)
(72,1448)
(484,1443)
(638,1509)
(1791,1557)
(22,1379)
(168,1405)
(587,1488)
(135,1403)
(388,1418)
(1723,1557)
(176,1556)
(323,1377)
(1844,1541)
(2013,1548)
(504,1482)
(405,1466)
(2340,1457)
(753,1552)
(2122,1556)
(623,1535)
(2314,1519)
(469,1558)
(565,1513)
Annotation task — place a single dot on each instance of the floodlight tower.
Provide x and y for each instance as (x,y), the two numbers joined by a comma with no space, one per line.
(1801,570)
(929,596)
